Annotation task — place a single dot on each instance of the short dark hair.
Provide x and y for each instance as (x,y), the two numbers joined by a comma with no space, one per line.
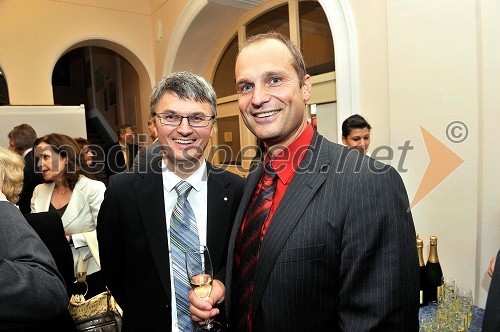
(186,86)
(23,137)
(123,128)
(297,59)
(82,142)
(355,121)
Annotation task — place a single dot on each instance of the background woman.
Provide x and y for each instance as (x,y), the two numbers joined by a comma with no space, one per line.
(92,169)
(356,133)
(75,197)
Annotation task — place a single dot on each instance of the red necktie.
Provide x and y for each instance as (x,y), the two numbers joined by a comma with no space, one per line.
(249,245)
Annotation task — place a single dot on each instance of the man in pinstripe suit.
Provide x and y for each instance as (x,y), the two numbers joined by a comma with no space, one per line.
(337,250)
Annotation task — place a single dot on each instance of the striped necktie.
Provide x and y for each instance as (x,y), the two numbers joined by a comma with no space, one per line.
(249,245)
(183,235)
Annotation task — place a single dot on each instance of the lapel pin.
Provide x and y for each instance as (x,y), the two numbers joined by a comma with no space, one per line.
(225,198)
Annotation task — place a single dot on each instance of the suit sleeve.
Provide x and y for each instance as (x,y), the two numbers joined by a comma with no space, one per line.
(379,263)
(111,246)
(31,287)
(140,159)
(94,196)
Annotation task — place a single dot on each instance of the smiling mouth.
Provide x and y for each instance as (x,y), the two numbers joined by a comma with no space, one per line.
(266,114)
(184,141)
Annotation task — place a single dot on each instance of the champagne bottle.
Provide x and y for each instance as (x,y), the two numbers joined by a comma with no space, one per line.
(423,276)
(433,273)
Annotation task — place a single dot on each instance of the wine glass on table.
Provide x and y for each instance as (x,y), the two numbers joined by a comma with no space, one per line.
(200,273)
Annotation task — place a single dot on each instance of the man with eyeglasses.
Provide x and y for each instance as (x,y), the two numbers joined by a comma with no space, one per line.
(137,223)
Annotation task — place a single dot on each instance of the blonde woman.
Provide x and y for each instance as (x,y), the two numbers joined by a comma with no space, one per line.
(75,197)
(29,281)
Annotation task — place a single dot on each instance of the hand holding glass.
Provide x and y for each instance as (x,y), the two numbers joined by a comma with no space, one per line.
(200,273)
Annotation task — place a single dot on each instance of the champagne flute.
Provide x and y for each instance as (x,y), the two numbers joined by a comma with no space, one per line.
(200,273)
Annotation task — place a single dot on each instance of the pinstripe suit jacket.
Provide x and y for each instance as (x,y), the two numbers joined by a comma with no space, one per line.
(339,253)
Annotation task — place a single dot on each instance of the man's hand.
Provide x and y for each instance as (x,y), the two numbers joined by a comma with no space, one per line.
(202,310)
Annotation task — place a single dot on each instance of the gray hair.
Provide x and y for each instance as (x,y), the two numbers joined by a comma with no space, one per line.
(186,86)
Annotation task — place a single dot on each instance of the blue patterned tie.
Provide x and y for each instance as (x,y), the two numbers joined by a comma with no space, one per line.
(183,235)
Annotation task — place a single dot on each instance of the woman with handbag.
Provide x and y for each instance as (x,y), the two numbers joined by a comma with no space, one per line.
(77,199)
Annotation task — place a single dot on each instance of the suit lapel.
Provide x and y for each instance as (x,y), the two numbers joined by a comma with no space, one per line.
(150,201)
(42,203)
(297,197)
(76,203)
(220,201)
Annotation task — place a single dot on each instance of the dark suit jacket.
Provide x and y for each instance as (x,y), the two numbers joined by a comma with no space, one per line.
(339,253)
(30,181)
(115,163)
(491,321)
(49,227)
(32,292)
(133,243)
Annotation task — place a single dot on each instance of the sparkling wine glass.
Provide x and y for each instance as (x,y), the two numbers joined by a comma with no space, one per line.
(200,273)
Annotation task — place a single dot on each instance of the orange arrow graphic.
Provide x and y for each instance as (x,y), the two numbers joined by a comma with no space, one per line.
(442,163)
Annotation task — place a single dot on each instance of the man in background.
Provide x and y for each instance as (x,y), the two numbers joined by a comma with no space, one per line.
(323,239)
(120,155)
(21,140)
(153,133)
(148,152)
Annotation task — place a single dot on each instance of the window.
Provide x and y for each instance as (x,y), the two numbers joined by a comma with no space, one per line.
(224,74)
(276,19)
(316,42)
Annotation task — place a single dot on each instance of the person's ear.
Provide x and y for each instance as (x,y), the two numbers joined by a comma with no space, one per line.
(306,88)
(212,129)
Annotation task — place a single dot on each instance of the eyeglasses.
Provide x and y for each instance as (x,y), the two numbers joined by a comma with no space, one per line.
(196,121)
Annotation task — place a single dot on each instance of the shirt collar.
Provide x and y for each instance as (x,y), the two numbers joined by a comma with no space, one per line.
(197,180)
(26,152)
(287,161)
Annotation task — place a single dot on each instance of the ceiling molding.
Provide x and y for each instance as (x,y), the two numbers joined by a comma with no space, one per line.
(243,4)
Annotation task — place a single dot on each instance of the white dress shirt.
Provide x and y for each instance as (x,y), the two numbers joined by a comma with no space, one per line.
(198,199)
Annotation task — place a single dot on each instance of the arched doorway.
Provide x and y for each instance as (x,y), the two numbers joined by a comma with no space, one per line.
(110,81)
(4,91)
(190,36)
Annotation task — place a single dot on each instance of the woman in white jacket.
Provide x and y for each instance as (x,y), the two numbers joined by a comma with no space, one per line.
(76,198)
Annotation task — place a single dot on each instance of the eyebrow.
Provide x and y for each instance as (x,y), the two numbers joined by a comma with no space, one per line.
(172,112)
(265,75)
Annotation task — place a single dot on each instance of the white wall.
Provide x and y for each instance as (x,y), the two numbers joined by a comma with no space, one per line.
(424,65)
(44,119)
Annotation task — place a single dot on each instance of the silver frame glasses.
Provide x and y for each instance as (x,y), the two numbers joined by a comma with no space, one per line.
(177,120)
